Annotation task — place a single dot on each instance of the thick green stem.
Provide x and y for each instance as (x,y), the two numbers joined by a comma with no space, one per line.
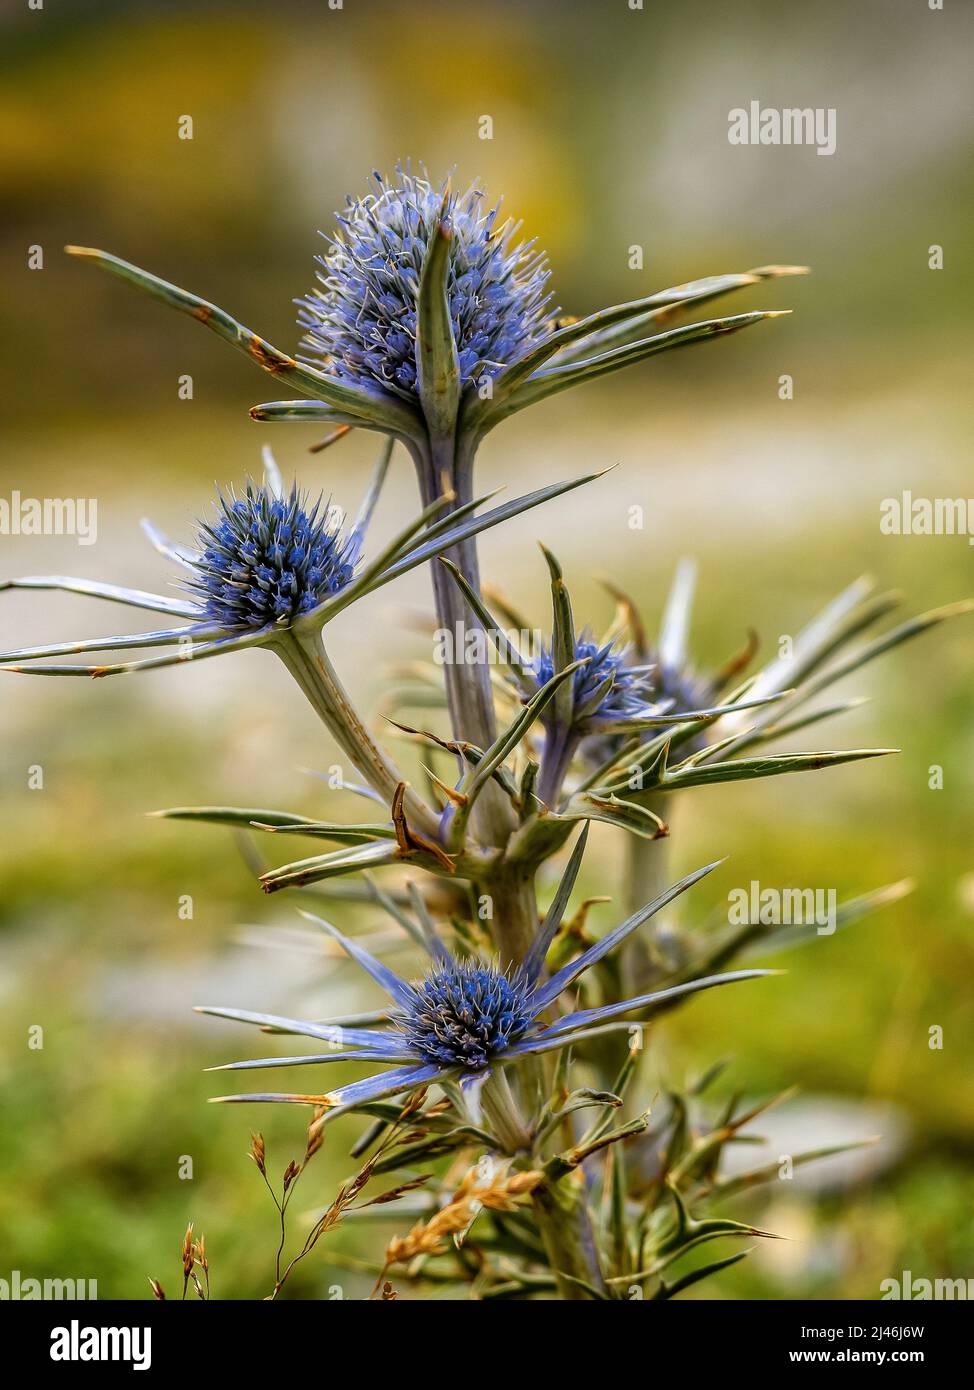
(441,469)
(304,655)
(514,913)
(560,1207)
(513,926)
(561,1211)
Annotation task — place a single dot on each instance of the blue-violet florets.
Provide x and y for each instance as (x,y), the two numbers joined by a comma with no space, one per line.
(269,559)
(465,1014)
(626,695)
(361,321)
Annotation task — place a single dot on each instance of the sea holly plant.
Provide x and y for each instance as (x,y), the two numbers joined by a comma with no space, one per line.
(431,323)
(504,1084)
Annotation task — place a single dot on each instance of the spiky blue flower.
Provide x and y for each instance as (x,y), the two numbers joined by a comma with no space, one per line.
(581,690)
(360,322)
(422,294)
(607,686)
(608,695)
(466,1017)
(269,563)
(464,1013)
(268,559)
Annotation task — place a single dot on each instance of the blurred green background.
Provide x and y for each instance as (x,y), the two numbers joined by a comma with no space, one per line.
(609,131)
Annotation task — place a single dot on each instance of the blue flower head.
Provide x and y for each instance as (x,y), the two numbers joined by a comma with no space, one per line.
(408,251)
(271,563)
(360,322)
(464,1013)
(268,559)
(466,1017)
(607,686)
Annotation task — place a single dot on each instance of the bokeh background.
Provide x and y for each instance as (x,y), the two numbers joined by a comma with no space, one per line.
(609,131)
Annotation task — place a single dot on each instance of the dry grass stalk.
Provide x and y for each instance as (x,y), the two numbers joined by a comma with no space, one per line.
(485,1185)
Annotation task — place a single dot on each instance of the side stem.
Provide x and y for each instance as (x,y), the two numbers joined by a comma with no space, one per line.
(304,655)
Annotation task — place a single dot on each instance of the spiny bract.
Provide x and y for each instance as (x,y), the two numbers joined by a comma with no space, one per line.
(465,1014)
(362,319)
(269,559)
